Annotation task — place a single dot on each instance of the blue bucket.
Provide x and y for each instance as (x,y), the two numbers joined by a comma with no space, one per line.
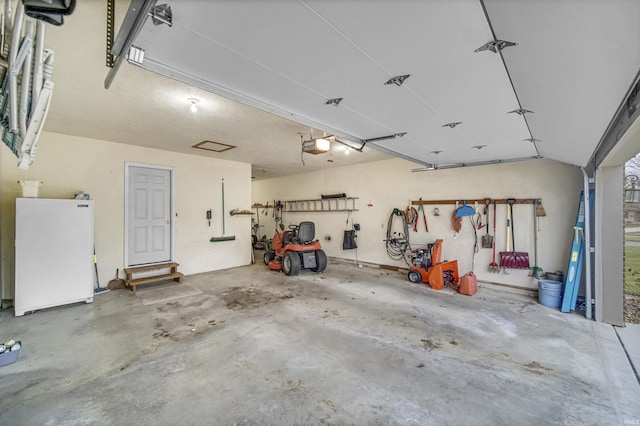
(550,293)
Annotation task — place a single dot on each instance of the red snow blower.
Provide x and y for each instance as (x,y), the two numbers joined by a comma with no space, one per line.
(427,267)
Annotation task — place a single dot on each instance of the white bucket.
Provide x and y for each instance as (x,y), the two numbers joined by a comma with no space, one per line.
(30,188)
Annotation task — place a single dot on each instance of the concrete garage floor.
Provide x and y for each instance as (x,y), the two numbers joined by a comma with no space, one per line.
(350,346)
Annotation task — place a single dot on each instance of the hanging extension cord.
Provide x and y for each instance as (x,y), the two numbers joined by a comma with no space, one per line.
(397,244)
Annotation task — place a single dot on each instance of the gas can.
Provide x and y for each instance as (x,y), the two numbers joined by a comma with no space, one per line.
(468,284)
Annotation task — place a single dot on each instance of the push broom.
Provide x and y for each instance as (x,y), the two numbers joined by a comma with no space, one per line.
(97,290)
(223,237)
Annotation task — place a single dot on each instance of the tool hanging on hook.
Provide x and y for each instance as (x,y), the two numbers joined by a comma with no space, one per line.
(487,240)
(424,218)
(223,237)
(512,259)
(493,266)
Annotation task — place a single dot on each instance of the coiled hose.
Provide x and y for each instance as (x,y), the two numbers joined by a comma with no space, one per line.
(397,244)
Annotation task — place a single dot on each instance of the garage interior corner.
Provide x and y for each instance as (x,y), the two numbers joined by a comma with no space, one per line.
(348,346)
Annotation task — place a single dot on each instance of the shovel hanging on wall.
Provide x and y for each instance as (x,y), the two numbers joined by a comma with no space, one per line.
(487,240)
(513,259)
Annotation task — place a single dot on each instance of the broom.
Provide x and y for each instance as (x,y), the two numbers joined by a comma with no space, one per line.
(116,283)
(97,290)
(223,237)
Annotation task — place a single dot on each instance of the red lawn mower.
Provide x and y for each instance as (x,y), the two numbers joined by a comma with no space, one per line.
(295,249)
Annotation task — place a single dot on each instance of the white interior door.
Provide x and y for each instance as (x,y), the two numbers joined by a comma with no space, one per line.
(148,209)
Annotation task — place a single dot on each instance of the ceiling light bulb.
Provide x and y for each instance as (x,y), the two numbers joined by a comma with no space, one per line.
(194,106)
(323,144)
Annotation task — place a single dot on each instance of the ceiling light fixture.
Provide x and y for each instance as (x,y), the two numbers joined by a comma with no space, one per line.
(316,146)
(452,125)
(436,152)
(398,80)
(531,140)
(478,147)
(194,104)
(495,46)
(334,101)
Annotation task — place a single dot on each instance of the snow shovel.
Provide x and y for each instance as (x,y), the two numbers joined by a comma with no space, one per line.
(493,266)
(487,240)
(512,259)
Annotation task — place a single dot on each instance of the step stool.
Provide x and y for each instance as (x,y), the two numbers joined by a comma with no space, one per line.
(174,275)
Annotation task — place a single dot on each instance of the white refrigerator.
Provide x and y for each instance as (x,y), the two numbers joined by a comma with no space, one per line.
(53,253)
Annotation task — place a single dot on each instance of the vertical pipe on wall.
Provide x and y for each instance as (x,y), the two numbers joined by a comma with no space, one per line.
(587,242)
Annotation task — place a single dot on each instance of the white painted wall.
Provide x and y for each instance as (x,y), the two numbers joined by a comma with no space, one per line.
(390,184)
(68,164)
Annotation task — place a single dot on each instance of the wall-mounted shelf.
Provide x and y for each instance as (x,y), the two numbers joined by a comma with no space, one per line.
(346,204)
(240,212)
(480,201)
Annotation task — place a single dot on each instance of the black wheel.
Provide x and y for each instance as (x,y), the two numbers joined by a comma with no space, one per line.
(321,261)
(291,263)
(414,276)
(268,257)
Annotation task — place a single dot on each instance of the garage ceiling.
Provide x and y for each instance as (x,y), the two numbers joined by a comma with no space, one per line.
(282,60)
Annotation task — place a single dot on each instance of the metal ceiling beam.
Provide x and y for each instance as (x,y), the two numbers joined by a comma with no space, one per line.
(506,68)
(432,167)
(398,154)
(131,26)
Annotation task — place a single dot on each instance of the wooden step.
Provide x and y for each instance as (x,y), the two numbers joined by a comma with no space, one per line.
(145,268)
(176,276)
(133,282)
